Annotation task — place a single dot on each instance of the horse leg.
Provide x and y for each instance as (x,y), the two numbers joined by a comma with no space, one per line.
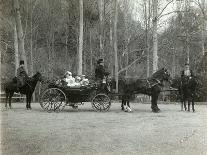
(128,106)
(30,99)
(184,102)
(7,96)
(27,101)
(181,105)
(10,97)
(156,98)
(188,105)
(122,104)
(193,108)
(153,103)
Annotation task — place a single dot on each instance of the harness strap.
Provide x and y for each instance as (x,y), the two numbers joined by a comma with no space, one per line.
(148,83)
(157,82)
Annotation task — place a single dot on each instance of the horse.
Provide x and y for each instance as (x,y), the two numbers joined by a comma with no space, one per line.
(27,89)
(151,87)
(187,90)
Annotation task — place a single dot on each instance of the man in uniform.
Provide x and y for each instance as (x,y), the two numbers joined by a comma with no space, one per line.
(21,75)
(100,73)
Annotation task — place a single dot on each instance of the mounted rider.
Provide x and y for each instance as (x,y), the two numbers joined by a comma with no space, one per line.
(22,75)
(187,72)
(100,73)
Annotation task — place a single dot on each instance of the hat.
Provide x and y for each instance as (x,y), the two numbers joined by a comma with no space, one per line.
(78,78)
(21,62)
(68,73)
(100,61)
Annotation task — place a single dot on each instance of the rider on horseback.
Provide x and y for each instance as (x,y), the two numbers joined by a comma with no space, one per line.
(187,72)
(100,74)
(21,75)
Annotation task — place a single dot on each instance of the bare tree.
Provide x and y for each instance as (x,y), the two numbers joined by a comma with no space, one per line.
(20,33)
(115,43)
(80,49)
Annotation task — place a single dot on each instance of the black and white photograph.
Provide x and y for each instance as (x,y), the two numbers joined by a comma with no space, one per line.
(103,77)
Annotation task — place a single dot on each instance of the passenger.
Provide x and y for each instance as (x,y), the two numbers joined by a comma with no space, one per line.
(77,81)
(84,81)
(69,79)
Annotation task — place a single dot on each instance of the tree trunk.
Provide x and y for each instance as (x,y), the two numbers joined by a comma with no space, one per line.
(146,33)
(115,44)
(20,34)
(155,40)
(16,49)
(31,43)
(147,39)
(203,31)
(101,6)
(80,49)
(111,40)
(91,51)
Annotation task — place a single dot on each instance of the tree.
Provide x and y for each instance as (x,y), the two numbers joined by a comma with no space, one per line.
(115,44)
(20,34)
(80,49)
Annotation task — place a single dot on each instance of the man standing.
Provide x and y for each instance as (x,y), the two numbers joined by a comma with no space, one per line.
(21,75)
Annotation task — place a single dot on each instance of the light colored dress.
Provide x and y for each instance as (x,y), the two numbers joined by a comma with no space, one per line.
(70,81)
(85,82)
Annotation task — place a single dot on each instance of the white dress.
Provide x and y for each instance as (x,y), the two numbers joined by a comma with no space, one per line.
(70,81)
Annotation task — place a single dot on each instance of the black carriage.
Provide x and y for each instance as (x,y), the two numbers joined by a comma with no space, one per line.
(56,97)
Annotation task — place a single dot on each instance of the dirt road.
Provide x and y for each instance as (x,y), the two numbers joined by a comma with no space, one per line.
(85,132)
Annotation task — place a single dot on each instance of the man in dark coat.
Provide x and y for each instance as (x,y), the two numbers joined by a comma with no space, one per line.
(21,75)
(100,73)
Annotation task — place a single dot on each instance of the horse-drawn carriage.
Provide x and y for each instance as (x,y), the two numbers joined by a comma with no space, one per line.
(56,96)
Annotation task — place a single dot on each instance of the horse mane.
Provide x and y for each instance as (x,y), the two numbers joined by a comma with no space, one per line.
(158,73)
(34,76)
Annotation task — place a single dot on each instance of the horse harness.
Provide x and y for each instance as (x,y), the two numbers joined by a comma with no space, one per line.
(152,85)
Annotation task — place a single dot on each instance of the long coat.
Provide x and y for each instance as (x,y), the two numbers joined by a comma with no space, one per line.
(100,72)
(21,75)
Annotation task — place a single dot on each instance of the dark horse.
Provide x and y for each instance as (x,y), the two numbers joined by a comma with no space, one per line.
(187,89)
(27,89)
(151,86)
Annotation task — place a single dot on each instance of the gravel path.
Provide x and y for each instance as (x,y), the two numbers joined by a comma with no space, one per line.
(85,132)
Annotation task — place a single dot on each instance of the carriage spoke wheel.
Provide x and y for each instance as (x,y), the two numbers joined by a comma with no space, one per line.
(53,99)
(101,102)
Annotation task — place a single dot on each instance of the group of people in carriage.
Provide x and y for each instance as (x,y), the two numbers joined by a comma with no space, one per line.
(75,81)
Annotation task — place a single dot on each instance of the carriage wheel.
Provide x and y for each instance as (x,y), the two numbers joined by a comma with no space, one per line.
(101,102)
(53,99)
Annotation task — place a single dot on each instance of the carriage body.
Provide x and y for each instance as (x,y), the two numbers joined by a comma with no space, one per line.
(56,96)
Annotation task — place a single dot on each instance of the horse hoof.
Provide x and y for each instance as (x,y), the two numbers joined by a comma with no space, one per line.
(155,110)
